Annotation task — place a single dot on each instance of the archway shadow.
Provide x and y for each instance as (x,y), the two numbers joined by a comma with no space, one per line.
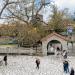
(53,44)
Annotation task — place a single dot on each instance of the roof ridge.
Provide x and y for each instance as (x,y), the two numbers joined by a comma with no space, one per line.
(54,33)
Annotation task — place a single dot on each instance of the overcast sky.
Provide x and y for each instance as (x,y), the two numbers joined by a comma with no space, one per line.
(61,4)
(66,4)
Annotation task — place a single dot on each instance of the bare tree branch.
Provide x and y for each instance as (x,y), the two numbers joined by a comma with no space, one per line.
(5,5)
(43,4)
(44,22)
(24,11)
(39,10)
(3,8)
(26,14)
(19,18)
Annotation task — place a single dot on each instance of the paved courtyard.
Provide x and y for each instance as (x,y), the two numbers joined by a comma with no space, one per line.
(25,65)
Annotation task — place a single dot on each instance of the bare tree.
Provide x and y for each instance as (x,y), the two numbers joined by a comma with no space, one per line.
(22,10)
(5,4)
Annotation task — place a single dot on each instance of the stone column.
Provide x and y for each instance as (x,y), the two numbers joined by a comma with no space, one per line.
(65,46)
(44,49)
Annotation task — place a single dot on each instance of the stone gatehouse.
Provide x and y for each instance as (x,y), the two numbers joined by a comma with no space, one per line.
(54,36)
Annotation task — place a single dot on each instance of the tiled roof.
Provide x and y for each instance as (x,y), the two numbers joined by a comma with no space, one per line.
(54,34)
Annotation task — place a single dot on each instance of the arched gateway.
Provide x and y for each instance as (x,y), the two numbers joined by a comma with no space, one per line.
(55,45)
(57,39)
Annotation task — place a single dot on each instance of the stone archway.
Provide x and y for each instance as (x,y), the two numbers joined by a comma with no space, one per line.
(53,36)
(54,44)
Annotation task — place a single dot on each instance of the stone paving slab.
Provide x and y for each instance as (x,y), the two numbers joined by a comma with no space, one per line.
(25,65)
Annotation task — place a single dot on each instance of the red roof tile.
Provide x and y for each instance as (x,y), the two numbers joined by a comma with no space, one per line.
(54,33)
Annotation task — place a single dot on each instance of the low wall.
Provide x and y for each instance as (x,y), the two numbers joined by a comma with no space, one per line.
(27,51)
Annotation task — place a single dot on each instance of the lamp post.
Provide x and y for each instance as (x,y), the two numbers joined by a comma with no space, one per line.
(69,33)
